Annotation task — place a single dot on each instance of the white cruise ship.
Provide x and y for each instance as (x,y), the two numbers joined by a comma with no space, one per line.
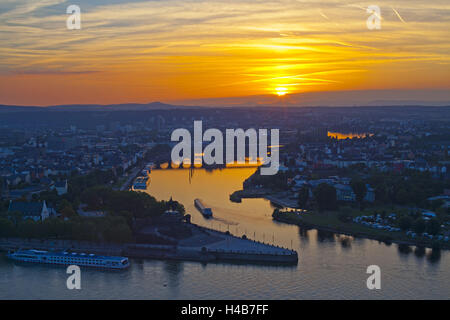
(68,258)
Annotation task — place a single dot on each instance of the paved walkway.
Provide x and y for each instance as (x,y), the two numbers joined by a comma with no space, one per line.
(219,241)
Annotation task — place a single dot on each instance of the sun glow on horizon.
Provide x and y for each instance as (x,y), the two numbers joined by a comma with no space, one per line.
(281,91)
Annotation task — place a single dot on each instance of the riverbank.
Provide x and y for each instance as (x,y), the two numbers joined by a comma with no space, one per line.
(330,223)
(130,178)
(277,198)
(205,245)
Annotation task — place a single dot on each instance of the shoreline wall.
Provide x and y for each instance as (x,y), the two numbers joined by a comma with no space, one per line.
(149,251)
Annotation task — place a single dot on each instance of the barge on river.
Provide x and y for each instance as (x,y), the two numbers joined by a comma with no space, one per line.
(206,212)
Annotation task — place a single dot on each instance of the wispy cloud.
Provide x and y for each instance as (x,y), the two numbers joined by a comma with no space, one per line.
(144,50)
(52,72)
(398,15)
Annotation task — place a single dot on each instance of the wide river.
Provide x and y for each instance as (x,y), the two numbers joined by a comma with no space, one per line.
(330,266)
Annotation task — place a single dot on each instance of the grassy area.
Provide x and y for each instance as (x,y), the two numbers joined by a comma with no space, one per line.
(329,221)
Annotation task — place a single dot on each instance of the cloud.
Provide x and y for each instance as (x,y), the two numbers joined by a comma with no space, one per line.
(53,72)
(197,47)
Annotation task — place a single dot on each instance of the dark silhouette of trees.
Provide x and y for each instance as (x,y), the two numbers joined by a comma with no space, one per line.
(360,190)
(2,183)
(419,226)
(121,208)
(409,187)
(325,196)
(405,223)
(433,227)
(303,197)
(7,228)
(134,204)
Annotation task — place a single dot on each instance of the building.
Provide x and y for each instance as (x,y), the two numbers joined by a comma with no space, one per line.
(345,193)
(37,211)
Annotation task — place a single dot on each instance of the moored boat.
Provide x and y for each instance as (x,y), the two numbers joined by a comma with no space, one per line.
(69,258)
(141,183)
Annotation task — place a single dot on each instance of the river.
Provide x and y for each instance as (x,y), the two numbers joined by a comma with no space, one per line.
(330,266)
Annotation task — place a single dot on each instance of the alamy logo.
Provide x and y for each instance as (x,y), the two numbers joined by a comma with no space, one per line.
(74,280)
(374,281)
(374,20)
(213,153)
(74,20)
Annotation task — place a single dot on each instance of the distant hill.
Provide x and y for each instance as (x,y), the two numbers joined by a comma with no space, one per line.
(355,98)
(91,107)
(352,98)
(11,109)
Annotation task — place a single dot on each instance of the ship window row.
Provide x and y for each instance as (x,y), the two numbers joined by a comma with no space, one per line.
(76,260)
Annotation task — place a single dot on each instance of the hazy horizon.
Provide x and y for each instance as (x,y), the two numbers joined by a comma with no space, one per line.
(359,98)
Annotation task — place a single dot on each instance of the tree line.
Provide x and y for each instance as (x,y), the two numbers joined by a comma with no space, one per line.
(121,209)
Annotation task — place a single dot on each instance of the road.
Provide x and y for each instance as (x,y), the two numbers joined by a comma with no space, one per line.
(126,185)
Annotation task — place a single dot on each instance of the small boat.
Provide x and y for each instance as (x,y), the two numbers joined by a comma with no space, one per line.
(141,183)
(69,258)
(206,212)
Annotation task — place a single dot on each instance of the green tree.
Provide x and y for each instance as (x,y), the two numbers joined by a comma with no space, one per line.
(7,228)
(95,197)
(344,216)
(16,217)
(50,196)
(63,204)
(434,205)
(2,182)
(325,196)
(402,196)
(359,189)
(405,223)
(381,193)
(28,229)
(303,197)
(68,212)
(118,233)
(433,227)
(85,229)
(419,226)
(54,228)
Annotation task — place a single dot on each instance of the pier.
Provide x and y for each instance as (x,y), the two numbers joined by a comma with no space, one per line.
(205,245)
(278,199)
(222,246)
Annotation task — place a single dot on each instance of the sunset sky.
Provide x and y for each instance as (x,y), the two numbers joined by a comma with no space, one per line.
(181,51)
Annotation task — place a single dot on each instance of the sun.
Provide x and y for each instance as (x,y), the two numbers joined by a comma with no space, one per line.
(281,91)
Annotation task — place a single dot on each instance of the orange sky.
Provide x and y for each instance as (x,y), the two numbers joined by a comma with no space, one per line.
(142,51)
